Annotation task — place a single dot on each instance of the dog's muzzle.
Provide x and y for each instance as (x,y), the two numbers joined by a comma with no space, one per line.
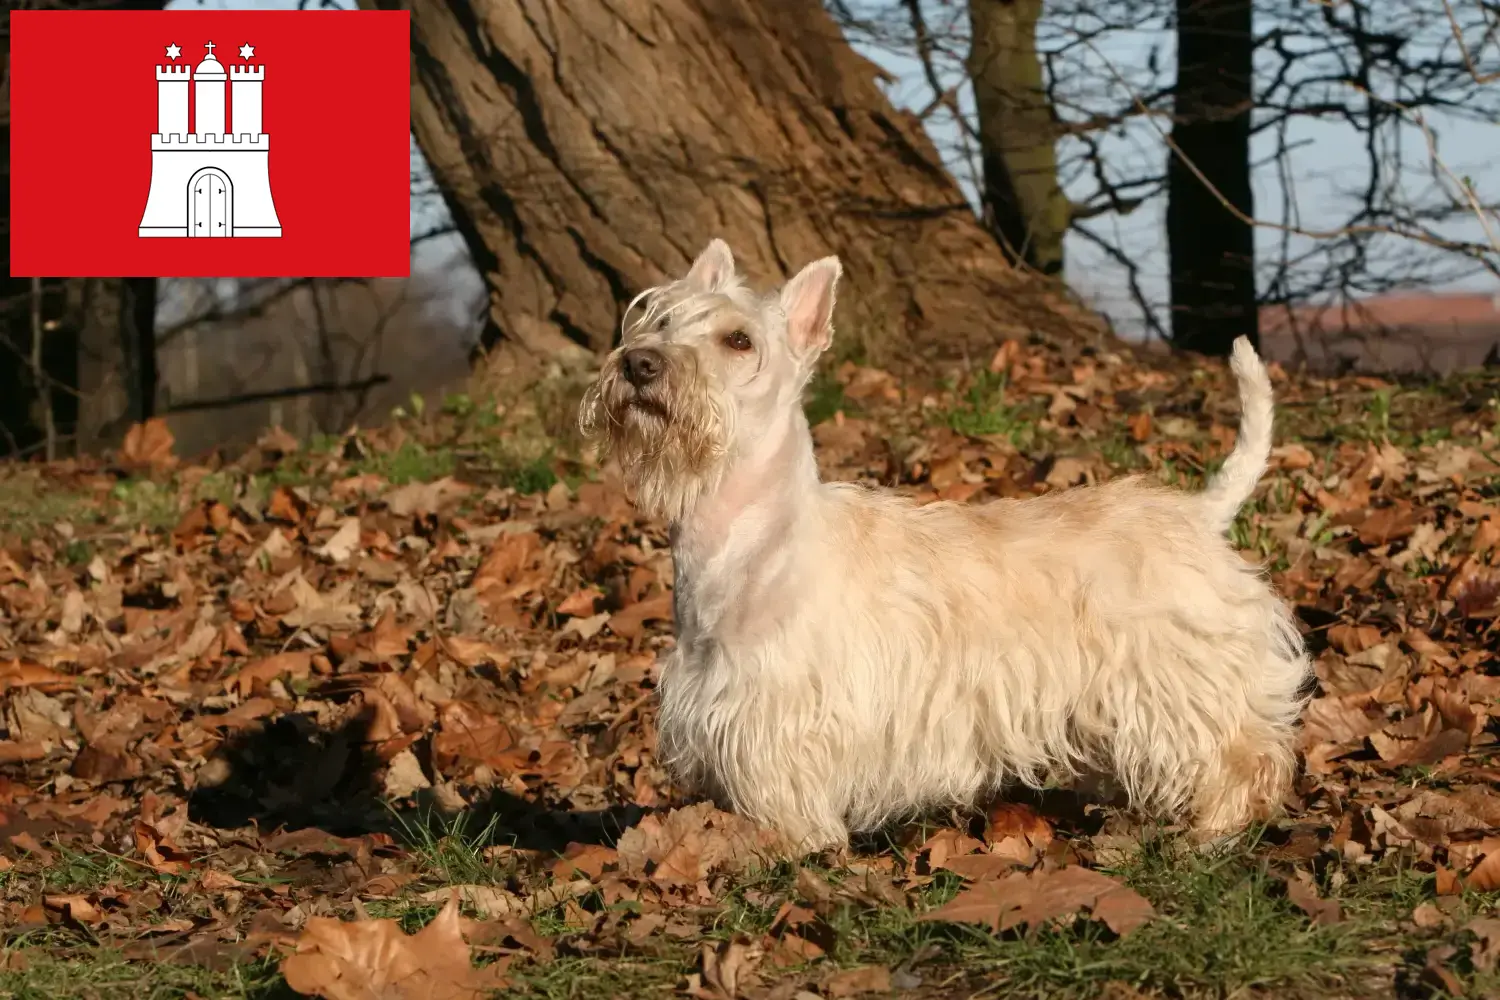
(642,366)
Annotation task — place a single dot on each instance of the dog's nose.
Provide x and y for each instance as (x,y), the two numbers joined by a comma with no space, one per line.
(642,365)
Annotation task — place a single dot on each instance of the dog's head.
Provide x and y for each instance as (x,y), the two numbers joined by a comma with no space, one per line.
(707,368)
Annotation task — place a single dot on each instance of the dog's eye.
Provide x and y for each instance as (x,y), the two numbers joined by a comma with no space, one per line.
(662,321)
(739,340)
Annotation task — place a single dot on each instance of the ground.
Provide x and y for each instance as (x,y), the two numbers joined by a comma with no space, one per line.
(372,716)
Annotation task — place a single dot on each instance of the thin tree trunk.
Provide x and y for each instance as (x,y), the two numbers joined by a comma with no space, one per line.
(113,323)
(1017,133)
(1212,251)
(589,149)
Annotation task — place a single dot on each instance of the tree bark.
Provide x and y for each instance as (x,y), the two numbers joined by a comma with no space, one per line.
(1017,133)
(113,323)
(589,149)
(98,349)
(1212,250)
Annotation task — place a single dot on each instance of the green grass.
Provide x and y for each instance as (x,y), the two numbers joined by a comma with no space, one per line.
(29,503)
(103,973)
(983,411)
(825,397)
(409,463)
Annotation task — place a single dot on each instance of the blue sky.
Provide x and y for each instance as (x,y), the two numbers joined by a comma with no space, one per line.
(1326,161)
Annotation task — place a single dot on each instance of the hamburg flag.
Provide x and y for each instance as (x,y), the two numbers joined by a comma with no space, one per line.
(210,144)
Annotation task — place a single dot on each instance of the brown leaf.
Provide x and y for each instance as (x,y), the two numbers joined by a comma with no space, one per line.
(26,842)
(853,982)
(588,860)
(1140,426)
(492,902)
(580,602)
(729,968)
(1123,910)
(1302,892)
(76,908)
(1039,896)
(948,843)
(148,445)
(471,652)
(16,751)
(155,849)
(687,844)
(977,867)
(1388,524)
(1485,876)
(260,673)
(366,959)
(21,674)
(213,880)
(630,623)
(1486,951)
(1427,916)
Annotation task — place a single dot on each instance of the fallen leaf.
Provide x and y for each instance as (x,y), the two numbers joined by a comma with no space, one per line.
(262,672)
(76,908)
(344,543)
(148,445)
(1036,897)
(1304,894)
(630,623)
(373,960)
(1486,951)
(854,982)
(1485,876)
(729,967)
(687,844)
(580,603)
(26,842)
(493,902)
(23,674)
(1140,426)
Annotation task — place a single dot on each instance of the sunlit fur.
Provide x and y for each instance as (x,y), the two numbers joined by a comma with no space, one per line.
(845,657)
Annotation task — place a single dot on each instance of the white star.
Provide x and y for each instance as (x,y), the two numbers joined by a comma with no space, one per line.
(174,50)
(247,50)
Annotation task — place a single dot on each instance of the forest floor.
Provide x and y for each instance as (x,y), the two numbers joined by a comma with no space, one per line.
(375,714)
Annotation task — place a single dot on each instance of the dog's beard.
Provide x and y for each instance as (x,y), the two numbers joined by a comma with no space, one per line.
(671,439)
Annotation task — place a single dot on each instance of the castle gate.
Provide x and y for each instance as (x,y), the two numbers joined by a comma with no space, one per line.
(210,203)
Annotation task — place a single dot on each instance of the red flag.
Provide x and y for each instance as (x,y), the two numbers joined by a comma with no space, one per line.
(283,137)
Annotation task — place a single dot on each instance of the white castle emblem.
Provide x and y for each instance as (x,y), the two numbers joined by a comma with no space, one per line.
(210,181)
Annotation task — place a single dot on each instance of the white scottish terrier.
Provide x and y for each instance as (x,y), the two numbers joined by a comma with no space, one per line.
(846,657)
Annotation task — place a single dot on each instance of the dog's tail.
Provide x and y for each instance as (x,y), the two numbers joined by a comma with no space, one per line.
(1235,482)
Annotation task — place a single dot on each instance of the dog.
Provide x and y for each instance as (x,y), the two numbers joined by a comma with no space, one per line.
(846,658)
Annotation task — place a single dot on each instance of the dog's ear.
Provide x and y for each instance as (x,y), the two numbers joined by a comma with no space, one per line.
(713,268)
(807,301)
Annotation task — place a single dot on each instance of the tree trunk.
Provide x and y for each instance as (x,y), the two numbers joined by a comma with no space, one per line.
(1017,133)
(1212,251)
(98,342)
(590,149)
(113,323)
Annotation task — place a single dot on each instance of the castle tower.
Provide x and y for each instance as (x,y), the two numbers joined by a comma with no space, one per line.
(172,99)
(245,83)
(210,182)
(208,95)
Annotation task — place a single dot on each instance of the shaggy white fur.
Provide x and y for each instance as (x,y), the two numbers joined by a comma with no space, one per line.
(845,657)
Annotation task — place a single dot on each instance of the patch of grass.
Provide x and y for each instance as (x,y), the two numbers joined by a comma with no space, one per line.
(106,974)
(984,412)
(825,397)
(28,503)
(454,850)
(144,502)
(588,978)
(412,462)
